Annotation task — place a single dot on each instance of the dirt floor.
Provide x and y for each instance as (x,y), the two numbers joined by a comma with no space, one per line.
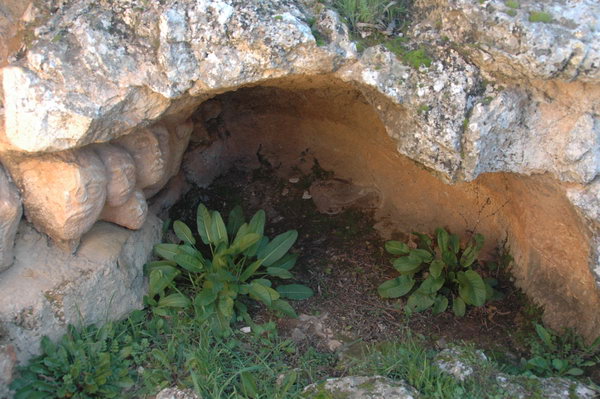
(343,261)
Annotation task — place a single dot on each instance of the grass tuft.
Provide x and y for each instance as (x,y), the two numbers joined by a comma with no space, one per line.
(376,13)
(540,16)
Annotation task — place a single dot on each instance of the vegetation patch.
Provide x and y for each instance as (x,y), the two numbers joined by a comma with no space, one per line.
(374,14)
(251,349)
(240,262)
(444,272)
(414,58)
(540,16)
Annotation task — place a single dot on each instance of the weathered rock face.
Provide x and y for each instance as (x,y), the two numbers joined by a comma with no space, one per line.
(97,108)
(63,193)
(48,288)
(11,211)
(120,169)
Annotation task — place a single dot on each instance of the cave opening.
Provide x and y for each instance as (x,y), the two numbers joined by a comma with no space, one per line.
(323,131)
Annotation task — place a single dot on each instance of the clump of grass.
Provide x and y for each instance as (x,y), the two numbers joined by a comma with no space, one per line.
(512,4)
(377,14)
(412,361)
(540,16)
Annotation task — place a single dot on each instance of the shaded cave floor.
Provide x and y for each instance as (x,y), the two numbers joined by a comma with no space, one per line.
(341,257)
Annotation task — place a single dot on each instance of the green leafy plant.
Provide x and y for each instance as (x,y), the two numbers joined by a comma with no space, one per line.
(432,276)
(565,354)
(241,261)
(90,363)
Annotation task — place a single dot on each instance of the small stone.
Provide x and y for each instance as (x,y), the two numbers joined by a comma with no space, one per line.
(285,192)
(294,180)
(246,330)
(306,195)
(176,393)
(356,387)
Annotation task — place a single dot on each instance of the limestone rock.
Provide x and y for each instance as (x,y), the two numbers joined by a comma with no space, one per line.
(131,214)
(63,193)
(516,44)
(203,164)
(11,211)
(446,90)
(550,388)
(169,195)
(509,132)
(178,140)
(176,393)
(356,387)
(457,363)
(587,199)
(131,65)
(120,169)
(150,151)
(333,196)
(47,288)
(463,364)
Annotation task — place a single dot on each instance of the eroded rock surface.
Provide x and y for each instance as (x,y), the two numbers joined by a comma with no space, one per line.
(357,387)
(47,288)
(63,193)
(11,211)
(335,195)
(120,171)
(131,214)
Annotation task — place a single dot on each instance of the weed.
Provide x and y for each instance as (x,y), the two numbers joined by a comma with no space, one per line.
(465,123)
(540,16)
(557,355)
(218,282)
(512,13)
(512,4)
(319,38)
(83,364)
(445,273)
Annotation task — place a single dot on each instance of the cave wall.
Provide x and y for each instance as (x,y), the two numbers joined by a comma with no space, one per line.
(333,120)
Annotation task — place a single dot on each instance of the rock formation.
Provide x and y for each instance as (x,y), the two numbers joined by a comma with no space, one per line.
(505,107)
(11,211)
(120,172)
(63,193)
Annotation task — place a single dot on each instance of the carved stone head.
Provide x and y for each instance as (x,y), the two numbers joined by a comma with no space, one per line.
(149,149)
(63,193)
(120,169)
